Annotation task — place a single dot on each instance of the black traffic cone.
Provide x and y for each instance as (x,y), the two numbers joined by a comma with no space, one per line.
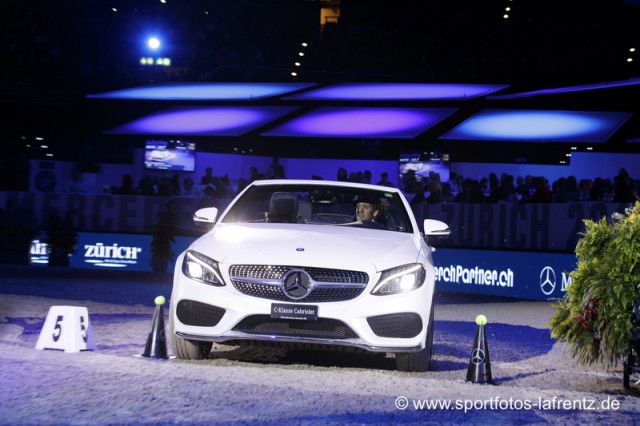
(156,346)
(479,370)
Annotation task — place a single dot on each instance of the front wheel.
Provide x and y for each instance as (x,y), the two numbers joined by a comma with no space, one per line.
(421,360)
(188,349)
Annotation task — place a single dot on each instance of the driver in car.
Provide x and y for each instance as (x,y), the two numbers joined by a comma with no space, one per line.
(368,212)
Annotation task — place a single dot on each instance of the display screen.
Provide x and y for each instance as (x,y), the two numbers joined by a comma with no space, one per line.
(177,155)
(423,164)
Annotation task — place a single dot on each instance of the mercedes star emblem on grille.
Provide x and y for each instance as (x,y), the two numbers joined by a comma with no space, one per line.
(297,284)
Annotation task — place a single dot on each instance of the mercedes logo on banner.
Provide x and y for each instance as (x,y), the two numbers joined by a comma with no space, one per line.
(547,280)
(297,284)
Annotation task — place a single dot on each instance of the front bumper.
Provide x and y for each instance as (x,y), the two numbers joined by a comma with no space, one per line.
(371,323)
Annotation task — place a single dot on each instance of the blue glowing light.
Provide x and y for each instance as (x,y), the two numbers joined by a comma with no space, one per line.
(402,123)
(204,91)
(544,126)
(153,43)
(398,91)
(203,121)
(570,89)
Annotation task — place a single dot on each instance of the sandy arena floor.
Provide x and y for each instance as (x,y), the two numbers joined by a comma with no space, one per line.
(535,382)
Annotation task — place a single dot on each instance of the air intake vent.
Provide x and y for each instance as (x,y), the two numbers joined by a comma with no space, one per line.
(199,314)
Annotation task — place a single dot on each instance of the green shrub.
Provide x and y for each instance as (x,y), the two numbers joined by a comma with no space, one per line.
(595,316)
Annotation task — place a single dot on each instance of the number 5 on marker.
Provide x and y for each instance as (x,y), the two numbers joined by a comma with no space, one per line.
(67,328)
(57,329)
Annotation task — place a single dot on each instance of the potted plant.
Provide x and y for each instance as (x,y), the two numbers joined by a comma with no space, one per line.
(61,239)
(594,317)
(163,233)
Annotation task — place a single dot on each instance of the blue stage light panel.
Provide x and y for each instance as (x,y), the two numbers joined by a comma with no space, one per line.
(538,126)
(370,122)
(570,89)
(398,92)
(204,91)
(203,121)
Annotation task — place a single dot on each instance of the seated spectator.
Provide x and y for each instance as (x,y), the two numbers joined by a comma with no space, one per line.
(384,180)
(254,175)
(541,193)
(435,192)
(188,189)
(208,177)
(622,189)
(505,190)
(471,193)
(147,186)
(126,186)
(522,189)
(342,175)
(585,189)
(275,169)
(410,182)
(572,190)
(447,195)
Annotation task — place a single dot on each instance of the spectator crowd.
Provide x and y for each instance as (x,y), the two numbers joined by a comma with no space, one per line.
(431,190)
(528,189)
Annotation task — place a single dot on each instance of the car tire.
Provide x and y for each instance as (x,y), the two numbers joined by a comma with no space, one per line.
(421,360)
(188,349)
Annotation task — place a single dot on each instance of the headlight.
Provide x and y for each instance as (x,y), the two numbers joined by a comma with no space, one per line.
(399,280)
(201,268)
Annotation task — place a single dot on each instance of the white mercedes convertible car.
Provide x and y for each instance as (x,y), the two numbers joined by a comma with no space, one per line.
(290,262)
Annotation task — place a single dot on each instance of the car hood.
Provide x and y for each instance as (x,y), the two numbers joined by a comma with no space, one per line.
(332,246)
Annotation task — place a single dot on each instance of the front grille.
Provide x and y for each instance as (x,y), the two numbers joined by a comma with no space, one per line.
(330,285)
(322,328)
(402,325)
(190,312)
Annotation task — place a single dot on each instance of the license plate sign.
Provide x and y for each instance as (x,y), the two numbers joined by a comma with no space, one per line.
(295,312)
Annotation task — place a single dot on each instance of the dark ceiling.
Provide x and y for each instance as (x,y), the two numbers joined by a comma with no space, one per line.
(54,53)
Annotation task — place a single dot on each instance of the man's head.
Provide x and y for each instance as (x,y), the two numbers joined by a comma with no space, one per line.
(367,208)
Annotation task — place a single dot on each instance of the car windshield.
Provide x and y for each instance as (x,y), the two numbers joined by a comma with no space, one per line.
(316,205)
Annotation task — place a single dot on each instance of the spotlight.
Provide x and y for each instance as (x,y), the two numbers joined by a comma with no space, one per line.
(153,43)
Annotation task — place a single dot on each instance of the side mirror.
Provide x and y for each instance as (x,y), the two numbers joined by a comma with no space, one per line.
(206,216)
(436,228)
